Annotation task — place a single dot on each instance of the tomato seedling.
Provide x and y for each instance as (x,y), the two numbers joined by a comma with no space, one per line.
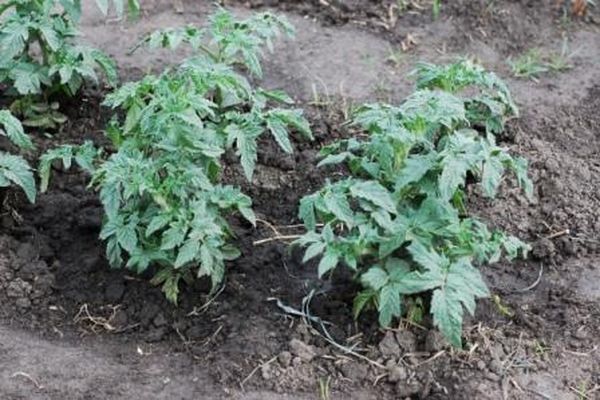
(398,221)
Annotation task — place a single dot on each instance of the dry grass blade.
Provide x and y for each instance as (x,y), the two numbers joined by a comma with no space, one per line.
(28,377)
(310,319)
(96,323)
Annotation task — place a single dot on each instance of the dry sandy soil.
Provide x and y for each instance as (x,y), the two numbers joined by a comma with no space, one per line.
(70,328)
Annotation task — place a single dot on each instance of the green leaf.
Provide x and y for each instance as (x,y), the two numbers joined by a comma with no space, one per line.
(51,37)
(491,176)
(173,237)
(108,65)
(453,176)
(415,168)
(313,250)
(27,80)
(463,284)
(187,252)
(127,236)
(375,278)
(338,205)
(170,283)
(520,167)
(427,258)
(16,170)
(361,300)
(447,315)
(246,147)
(248,214)
(292,118)
(279,131)
(333,159)
(514,246)
(328,262)
(13,37)
(276,95)
(374,192)
(14,130)
(113,253)
(389,305)
(307,212)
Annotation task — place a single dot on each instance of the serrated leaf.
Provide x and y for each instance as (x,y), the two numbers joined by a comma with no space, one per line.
(333,159)
(157,223)
(293,118)
(414,169)
(277,95)
(14,130)
(427,258)
(328,262)
(187,252)
(313,250)
(16,170)
(514,246)
(108,65)
(338,205)
(113,253)
(26,80)
(453,176)
(520,167)
(279,131)
(447,315)
(360,301)
(127,237)
(173,237)
(374,192)
(491,176)
(13,37)
(248,214)
(389,305)
(375,278)
(51,37)
(307,212)
(246,148)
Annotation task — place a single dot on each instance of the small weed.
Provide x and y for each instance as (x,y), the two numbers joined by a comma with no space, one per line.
(561,62)
(324,391)
(436,8)
(501,307)
(382,90)
(534,62)
(368,59)
(402,5)
(540,348)
(530,65)
(396,57)
(582,390)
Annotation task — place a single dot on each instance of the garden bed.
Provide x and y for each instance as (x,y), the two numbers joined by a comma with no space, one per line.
(71,328)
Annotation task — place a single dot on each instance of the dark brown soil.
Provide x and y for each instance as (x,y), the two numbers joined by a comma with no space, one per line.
(71,328)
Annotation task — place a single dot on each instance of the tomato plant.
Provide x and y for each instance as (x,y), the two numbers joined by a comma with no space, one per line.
(398,221)
(39,56)
(164,203)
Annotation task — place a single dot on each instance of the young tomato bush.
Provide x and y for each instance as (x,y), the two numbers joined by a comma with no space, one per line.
(14,169)
(398,221)
(38,55)
(163,200)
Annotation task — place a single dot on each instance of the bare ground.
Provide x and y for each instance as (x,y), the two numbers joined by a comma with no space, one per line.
(133,343)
